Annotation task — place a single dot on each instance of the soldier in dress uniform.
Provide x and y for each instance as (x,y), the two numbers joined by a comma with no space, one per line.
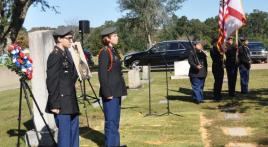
(61,78)
(112,86)
(231,65)
(244,64)
(217,70)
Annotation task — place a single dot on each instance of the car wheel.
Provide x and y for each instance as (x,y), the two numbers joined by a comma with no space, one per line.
(135,65)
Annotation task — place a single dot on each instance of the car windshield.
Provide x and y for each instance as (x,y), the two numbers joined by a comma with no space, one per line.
(256,46)
(188,45)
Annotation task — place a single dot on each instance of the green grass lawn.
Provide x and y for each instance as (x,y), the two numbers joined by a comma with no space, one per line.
(162,130)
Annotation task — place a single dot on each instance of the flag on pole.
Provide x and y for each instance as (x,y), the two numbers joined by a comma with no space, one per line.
(231,18)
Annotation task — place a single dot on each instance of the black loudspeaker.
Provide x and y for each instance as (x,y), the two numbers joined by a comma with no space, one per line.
(84,26)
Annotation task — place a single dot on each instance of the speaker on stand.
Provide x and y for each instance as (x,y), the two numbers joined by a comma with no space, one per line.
(83,28)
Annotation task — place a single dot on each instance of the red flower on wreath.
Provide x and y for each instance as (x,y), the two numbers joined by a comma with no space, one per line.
(20,63)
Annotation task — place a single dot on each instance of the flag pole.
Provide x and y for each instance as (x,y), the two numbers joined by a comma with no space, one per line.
(236,37)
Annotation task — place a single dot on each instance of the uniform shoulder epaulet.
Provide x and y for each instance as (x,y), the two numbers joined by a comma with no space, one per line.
(55,50)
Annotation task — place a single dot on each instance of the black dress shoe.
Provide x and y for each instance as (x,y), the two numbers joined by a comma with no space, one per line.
(197,102)
(232,95)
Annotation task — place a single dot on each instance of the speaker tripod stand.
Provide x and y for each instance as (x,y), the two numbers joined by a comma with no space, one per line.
(24,88)
(85,98)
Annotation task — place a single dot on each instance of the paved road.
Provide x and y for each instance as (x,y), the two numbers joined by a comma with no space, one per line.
(9,80)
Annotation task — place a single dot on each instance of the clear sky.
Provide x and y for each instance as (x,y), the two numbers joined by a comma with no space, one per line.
(99,11)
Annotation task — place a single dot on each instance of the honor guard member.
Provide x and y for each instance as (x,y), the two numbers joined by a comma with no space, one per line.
(231,65)
(61,78)
(198,72)
(112,85)
(217,70)
(244,64)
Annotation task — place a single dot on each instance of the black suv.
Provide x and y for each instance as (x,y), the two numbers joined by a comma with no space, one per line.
(257,51)
(160,54)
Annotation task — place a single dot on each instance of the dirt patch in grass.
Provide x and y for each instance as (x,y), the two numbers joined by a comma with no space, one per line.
(241,145)
(154,142)
(204,122)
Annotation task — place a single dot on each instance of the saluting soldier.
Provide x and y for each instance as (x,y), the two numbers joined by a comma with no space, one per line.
(231,65)
(112,85)
(217,70)
(61,78)
(198,72)
(244,64)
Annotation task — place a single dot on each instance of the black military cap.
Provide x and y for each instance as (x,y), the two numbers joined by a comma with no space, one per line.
(108,31)
(214,40)
(242,39)
(63,31)
(230,37)
(197,42)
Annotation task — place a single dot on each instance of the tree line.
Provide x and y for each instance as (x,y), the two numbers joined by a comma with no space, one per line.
(135,39)
(145,22)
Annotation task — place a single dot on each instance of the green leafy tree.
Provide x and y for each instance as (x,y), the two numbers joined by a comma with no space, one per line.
(131,38)
(12,16)
(149,15)
(212,27)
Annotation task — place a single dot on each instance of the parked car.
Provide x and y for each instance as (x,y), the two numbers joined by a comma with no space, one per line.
(160,54)
(257,51)
(3,58)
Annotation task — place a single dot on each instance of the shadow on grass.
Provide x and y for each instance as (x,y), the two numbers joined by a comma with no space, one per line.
(181,98)
(15,132)
(243,102)
(187,95)
(240,103)
(262,141)
(93,135)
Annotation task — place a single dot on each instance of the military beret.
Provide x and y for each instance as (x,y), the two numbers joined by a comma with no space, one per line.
(108,31)
(63,31)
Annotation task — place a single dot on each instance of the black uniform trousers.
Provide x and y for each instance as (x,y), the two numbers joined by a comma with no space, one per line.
(232,76)
(218,73)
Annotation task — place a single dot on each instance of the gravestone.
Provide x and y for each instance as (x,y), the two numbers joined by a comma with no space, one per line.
(232,116)
(145,73)
(134,79)
(236,131)
(181,69)
(41,44)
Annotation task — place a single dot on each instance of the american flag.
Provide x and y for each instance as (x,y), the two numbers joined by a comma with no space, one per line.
(223,13)
(231,18)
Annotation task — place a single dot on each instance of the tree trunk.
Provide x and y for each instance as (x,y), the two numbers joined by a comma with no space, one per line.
(149,40)
(148,36)
(11,30)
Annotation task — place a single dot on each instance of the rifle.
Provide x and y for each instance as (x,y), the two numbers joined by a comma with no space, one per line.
(193,49)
